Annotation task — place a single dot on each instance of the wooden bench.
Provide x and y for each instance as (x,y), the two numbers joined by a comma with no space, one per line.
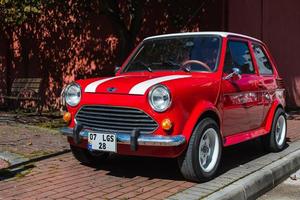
(25,89)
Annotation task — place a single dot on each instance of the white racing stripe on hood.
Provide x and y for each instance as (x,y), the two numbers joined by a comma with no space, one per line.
(93,86)
(142,87)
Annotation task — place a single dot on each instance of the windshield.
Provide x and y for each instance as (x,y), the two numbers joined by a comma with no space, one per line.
(174,52)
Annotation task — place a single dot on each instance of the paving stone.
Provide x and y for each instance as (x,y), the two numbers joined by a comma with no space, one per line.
(199,194)
(206,186)
(232,192)
(182,196)
(199,190)
(12,158)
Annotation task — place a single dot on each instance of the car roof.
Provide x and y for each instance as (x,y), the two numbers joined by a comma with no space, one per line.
(222,34)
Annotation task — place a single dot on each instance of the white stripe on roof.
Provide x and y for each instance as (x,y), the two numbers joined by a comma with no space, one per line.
(222,34)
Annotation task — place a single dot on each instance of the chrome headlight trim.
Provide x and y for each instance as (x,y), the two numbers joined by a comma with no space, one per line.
(75,90)
(151,100)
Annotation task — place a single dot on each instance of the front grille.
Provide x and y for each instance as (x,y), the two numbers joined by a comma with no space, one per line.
(115,119)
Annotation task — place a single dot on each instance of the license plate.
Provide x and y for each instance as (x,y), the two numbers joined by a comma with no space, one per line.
(102,142)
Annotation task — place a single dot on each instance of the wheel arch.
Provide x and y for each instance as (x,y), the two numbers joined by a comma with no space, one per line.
(202,110)
(271,114)
(212,114)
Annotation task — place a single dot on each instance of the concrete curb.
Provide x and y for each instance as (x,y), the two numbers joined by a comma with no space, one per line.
(16,160)
(12,158)
(261,181)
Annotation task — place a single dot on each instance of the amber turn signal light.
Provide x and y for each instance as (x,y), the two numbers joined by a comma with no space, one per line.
(67,117)
(166,124)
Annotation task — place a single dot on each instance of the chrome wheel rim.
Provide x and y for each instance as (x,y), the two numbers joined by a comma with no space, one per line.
(209,150)
(280,130)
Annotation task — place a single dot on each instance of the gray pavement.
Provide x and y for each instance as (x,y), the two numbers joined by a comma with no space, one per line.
(287,190)
(247,180)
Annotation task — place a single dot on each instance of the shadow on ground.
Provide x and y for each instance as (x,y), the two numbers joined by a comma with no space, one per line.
(241,154)
(15,173)
(162,168)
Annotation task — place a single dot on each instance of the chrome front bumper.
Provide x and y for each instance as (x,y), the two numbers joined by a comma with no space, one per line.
(145,140)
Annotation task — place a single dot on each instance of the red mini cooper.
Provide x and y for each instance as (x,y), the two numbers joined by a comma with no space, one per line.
(183,96)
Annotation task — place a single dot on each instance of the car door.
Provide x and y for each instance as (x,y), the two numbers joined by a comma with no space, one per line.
(267,81)
(242,100)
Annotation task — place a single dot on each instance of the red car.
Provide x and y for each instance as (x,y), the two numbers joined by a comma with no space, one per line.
(183,96)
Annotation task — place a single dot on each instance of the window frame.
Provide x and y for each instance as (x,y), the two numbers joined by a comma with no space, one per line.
(248,43)
(136,51)
(267,56)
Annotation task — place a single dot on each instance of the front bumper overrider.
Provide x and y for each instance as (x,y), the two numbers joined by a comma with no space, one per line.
(131,139)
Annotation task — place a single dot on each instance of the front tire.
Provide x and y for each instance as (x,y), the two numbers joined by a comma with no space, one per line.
(86,157)
(202,158)
(276,139)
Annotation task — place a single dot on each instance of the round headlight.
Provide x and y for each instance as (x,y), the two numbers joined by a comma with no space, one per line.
(159,98)
(73,94)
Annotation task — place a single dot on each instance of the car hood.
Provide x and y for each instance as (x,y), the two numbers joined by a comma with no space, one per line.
(128,84)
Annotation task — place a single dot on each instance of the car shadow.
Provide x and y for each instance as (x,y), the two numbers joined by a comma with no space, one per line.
(165,168)
(132,166)
(17,172)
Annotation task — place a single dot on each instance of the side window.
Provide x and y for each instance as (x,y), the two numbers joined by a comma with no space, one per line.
(264,65)
(238,56)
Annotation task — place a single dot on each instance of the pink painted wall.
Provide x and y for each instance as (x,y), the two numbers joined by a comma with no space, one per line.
(277,24)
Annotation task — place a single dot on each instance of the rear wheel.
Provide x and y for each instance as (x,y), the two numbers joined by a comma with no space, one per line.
(276,139)
(86,157)
(202,158)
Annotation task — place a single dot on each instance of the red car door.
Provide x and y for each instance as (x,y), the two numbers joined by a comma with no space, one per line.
(267,81)
(242,98)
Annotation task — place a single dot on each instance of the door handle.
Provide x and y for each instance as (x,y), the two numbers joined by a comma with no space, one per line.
(260,84)
(267,96)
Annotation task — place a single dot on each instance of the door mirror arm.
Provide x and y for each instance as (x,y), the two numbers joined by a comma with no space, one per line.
(236,74)
(117,70)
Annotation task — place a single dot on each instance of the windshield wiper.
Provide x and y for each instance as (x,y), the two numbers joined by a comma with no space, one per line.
(148,68)
(144,65)
(186,68)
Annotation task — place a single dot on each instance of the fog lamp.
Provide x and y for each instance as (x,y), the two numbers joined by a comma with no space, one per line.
(166,124)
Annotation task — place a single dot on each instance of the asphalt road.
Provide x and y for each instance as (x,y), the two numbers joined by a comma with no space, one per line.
(287,190)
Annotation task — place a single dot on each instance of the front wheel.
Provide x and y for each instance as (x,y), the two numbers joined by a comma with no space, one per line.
(276,139)
(202,158)
(86,157)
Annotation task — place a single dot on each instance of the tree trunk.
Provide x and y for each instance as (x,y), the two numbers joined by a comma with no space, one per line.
(24,54)
(126,45)
(9,60)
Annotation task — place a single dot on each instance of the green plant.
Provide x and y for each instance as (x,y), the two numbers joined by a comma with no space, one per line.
(15,12)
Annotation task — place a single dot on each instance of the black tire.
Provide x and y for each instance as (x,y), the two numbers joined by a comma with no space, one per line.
(86,157)
(269,141)
(189,162)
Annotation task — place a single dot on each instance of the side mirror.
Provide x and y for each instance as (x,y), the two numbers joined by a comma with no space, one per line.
(235,74)
(117,69)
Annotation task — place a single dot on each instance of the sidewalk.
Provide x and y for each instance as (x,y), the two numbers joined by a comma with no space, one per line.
(29,136)
(288,190)
(121,177)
